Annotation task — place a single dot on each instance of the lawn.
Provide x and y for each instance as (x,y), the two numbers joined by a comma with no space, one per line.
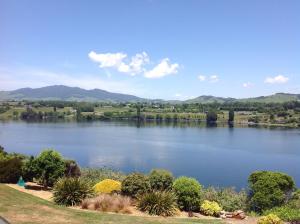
(19,207)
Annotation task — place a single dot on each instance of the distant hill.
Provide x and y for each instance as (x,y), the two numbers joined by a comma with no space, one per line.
(60,92)
(276,98)
(210,99)
(66,93)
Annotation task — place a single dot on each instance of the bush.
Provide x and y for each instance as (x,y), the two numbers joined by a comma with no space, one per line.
(188,192)
(93,176)
(227,198)
(29,169)
(72,169)
(210,208)
(10,170)
(108,186)
(70,191)
(135,184)
(286,213)
(269,189)
(270,219)
(108,203)
(161,180)
(161,203)
(50,167)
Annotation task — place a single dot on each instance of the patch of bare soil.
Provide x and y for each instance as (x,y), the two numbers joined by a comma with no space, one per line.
(39,192)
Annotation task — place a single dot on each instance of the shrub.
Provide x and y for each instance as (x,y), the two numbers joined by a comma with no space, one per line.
(286,213)
(93,176)
(50,167)
(269,189)
(161,179)
(29,169)
(70,191)
(270,219)
(161,203)
(10,170)
(108,186)
(210,208)
(188,192)
(227,198)
(72,169)
(108,203)
(135,184)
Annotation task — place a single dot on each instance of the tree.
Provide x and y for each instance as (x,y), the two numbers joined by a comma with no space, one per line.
(211,117)
(50,166)
(231,116)
(269,189)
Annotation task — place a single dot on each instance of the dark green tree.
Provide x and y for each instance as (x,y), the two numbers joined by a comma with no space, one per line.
(231,116)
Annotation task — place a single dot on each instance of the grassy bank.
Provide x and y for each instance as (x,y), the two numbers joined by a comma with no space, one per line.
(19,207)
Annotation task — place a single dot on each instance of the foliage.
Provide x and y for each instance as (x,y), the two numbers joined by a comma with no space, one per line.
(10,169)
(135,184)
(269,189)
(162,203)
(72,169)
(30,169)
(50,166)
(210,208)
(108,203)
(231,115)
(70,191)
(211,117)
(270,219)
(161,179)
(107,186)
(94,175)
(229,199)
(188,191)
(286,213)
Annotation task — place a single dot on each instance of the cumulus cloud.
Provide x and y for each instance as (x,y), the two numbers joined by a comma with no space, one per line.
(280,79)
(202,78)
(247,84)
(117,61)
(164,68)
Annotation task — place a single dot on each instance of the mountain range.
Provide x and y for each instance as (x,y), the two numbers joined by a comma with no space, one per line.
(66,93)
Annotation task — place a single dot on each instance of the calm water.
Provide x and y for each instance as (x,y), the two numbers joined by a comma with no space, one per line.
(215,156)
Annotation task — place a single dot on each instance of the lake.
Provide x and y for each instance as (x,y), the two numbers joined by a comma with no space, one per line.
(220,156)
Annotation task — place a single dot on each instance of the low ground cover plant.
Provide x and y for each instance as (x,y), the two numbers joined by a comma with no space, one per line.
(108,203)
(270,219)
(95,175)
(188,192)
(107,186)
(162,203)
(71,191)
(210,208)
(228,198)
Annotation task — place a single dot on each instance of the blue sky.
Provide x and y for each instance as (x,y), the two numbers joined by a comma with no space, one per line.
(151,48)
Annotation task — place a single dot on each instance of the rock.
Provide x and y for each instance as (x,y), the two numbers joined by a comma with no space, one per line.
(239,214)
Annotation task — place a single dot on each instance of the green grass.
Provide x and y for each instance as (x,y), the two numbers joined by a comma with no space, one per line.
(19,207)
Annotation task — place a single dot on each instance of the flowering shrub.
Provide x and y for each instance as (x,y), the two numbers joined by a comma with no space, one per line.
(107,186)
(210,208)
(270,219)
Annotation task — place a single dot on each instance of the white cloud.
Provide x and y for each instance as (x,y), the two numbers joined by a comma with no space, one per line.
(116,60)
(213,78)
(164,68)
(280,79)
(202,78)
(247,84)
(108,59)
(178,95)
